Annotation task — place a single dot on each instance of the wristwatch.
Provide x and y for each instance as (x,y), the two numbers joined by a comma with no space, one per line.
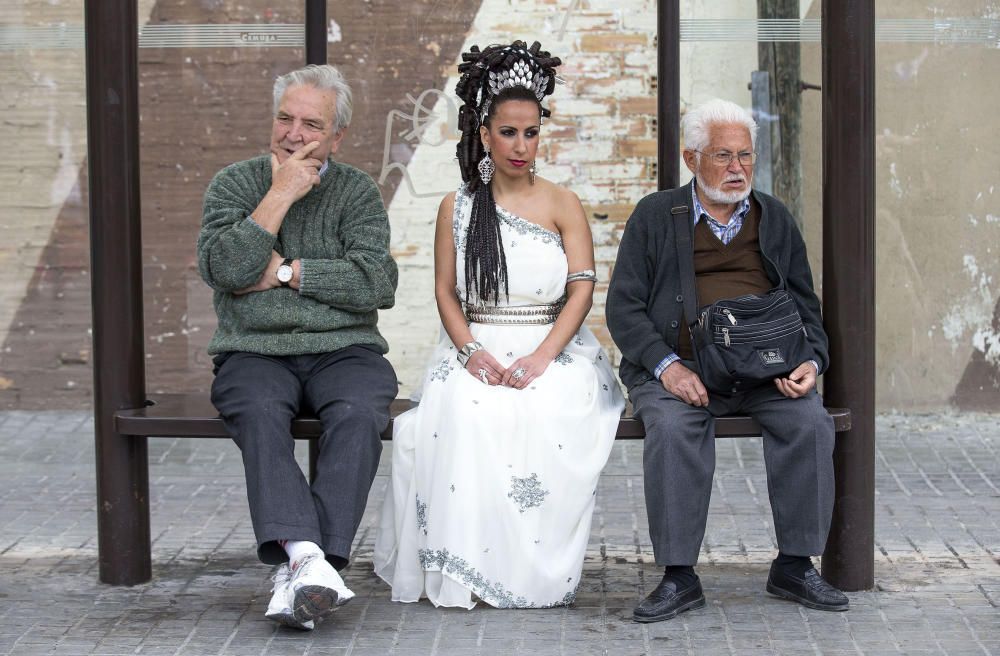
(466,352)
(285,272)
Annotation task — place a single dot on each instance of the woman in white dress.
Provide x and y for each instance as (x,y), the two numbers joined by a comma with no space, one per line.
(494,473)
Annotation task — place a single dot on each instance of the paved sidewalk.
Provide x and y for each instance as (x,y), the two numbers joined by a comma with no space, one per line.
(937,567)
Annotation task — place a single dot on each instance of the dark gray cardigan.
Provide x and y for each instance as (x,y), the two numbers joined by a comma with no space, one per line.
(644,306)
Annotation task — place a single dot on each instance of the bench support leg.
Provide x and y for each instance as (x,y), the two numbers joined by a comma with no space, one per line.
(849,559)
(123,541)
(313,459)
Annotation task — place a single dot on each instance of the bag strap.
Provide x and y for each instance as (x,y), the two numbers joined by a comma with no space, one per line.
(685,259)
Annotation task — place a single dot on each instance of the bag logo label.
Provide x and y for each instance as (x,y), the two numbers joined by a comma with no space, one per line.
(770,357)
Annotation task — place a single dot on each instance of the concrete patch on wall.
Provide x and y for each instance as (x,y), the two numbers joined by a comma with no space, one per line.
(937,264)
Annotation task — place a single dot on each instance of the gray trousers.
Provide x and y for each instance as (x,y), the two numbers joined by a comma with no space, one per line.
(350,390)
(679,463)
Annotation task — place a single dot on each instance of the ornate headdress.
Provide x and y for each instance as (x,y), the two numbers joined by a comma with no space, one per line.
(486,75)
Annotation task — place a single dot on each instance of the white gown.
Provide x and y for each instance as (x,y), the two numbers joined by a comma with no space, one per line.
(492,488)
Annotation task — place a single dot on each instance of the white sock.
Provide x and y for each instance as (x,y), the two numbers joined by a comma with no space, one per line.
(298,549)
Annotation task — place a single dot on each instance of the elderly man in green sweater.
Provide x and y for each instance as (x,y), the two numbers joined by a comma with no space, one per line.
(295,246)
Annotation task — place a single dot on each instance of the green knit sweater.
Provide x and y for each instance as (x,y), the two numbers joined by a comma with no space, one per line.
(339,231)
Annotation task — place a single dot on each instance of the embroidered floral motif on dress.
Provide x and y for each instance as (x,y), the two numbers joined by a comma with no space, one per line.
(422,515)
(441,371)
(492,593)
(527,228)
(462,200)
(564,358)
(527,492)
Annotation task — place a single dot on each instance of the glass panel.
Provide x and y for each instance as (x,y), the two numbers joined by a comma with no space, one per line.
(938,205)
(205,73)
(44,281)
(764,56)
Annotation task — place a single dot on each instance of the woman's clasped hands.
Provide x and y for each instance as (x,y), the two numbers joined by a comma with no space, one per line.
(482,365)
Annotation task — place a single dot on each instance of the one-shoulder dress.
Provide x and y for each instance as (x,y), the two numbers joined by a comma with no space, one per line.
(493,488)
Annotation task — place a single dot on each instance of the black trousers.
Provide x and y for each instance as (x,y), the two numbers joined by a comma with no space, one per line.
(350,390)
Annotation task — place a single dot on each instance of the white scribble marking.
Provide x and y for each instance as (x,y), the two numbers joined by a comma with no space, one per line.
(421,119)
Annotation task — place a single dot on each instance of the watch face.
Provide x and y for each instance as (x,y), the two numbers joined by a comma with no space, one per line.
(285,273)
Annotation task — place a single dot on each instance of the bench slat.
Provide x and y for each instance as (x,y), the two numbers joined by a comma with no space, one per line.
(192,415)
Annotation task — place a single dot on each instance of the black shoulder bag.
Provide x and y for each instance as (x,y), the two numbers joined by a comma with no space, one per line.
(738,343)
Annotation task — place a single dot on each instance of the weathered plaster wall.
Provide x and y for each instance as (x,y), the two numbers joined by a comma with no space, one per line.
(937,213)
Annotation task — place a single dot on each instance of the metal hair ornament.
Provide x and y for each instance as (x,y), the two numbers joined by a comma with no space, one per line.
(524,72)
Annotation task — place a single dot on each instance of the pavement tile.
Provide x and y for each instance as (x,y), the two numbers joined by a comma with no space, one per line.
(937,574)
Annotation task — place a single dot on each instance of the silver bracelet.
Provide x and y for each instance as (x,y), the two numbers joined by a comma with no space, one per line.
(466,352)
(586,274)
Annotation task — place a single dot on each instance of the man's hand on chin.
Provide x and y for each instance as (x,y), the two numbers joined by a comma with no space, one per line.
(268,279)
(294,177)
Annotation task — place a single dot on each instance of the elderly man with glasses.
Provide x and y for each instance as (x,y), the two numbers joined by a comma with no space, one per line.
(743,242)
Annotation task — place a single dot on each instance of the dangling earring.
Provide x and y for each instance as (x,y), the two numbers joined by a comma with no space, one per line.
(532,171)
(486,167)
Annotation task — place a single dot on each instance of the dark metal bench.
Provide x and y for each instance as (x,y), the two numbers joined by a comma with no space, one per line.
(192,415)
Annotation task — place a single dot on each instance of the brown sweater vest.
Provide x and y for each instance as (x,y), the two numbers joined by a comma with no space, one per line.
(725,270)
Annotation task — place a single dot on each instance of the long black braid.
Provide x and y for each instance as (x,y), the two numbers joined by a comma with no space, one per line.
(485,260)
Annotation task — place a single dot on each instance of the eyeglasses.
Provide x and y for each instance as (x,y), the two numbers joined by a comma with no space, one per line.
(725,159)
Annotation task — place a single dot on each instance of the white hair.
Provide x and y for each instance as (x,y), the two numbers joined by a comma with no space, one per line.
(696,122)
(325,78)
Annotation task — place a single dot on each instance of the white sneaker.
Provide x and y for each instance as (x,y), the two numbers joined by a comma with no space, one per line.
(316,589)
(280,607)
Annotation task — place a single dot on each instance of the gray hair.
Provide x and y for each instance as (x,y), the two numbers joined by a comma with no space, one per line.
(696,122)
(325,78)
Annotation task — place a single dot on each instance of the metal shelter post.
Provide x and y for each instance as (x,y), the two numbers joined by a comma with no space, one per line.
(668,92)
(849,280)
(116,287)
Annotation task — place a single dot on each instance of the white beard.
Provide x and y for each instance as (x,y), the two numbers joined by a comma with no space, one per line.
(717,195)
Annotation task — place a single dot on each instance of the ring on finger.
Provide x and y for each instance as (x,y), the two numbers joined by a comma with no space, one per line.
(519,373)
(482,376)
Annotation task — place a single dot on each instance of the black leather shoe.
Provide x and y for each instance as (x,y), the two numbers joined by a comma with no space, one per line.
(812,591)
(666,601)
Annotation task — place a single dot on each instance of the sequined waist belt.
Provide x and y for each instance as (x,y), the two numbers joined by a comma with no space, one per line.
(518,315)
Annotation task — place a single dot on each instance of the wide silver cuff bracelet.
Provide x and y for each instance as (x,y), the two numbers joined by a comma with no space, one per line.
(586,274)
(517,315)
